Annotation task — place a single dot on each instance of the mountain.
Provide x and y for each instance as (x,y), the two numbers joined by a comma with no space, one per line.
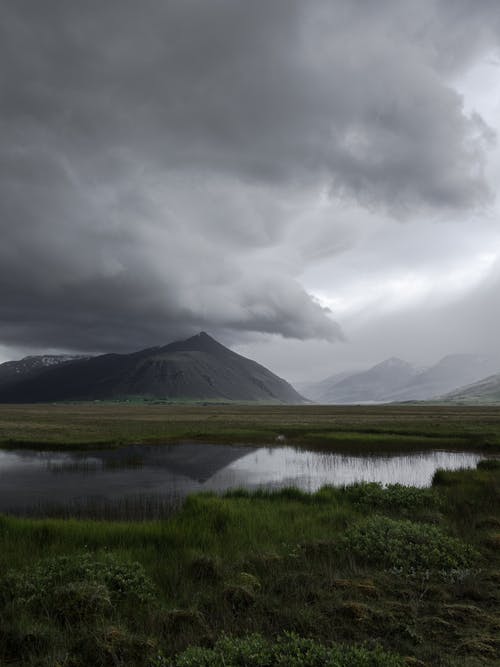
(395,380)
(372,385)
(29,367)
(451,372)
(198,368)
(486,391)
(316,390)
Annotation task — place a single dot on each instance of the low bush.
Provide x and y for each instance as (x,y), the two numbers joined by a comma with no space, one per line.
(111,646)
(80,581)
(288,651)
(74,605)
(394,497)
(406,545)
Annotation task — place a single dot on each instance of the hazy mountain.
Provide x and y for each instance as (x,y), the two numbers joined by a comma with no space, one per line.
(397,380)
(29,367)
(316,390)
(451,372)
(372,385)
(485,391)
(197,368)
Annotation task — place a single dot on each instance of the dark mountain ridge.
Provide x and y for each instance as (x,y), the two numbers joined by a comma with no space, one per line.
(198,368)
(31,366)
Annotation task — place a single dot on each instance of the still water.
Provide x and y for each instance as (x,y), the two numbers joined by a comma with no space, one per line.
(140,481)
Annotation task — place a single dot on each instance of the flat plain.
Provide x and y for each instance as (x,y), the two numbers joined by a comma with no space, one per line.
(355,428)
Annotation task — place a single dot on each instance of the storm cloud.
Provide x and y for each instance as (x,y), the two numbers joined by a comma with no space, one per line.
(167,167)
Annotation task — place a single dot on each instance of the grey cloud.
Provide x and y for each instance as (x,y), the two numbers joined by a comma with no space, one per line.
(469,324)
(141,276)
(267,91)
(421,334)
(148,151)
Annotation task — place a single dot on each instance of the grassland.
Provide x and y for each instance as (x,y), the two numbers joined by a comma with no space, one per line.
(350,428)
(408,576)
(355,577)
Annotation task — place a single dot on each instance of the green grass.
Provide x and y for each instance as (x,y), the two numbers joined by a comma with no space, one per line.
(348,428)
(414,572)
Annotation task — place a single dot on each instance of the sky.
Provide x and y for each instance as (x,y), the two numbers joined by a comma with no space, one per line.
(312,183)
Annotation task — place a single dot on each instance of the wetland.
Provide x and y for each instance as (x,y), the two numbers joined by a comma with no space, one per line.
(369,537)
(150,481)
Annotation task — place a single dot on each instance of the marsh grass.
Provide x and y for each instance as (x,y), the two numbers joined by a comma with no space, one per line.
(135,507)
(332,566)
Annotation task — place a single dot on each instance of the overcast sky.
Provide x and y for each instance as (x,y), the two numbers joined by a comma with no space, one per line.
(313,183)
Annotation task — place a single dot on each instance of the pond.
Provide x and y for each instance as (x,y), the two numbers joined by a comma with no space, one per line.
(141,481)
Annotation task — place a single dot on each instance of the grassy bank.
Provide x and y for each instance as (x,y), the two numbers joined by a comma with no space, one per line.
(348,428)
(394,572)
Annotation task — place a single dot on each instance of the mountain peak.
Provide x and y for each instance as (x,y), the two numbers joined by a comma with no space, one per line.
(198,368)
(393,362)
(203,336)
(200,341)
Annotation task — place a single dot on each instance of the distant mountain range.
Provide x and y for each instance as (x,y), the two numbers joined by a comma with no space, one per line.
(395,380)
(483,392)
(198,368)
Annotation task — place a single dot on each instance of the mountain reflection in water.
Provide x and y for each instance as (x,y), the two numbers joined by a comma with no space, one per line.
(161,475)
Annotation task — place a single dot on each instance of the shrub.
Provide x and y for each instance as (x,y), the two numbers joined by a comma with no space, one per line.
(86,606)
(112,646)
(288,651)
(79,602)
(406,545)
(394,497)
(77,588)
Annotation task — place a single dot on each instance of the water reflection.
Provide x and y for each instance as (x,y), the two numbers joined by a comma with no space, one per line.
(310,470)
(149,480)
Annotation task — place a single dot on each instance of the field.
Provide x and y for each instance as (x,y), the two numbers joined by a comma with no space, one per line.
(352,428)
(362,577)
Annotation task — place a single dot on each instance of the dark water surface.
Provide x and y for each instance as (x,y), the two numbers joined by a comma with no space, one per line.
(143,481)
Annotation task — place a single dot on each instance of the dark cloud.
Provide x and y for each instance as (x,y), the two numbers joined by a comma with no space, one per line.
(155,157)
